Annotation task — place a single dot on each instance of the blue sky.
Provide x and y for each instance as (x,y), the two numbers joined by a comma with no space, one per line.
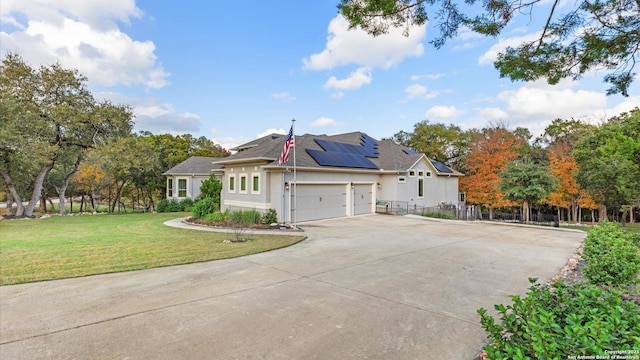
(235,70)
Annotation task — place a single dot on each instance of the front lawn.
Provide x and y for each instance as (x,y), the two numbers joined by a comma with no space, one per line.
(71,246)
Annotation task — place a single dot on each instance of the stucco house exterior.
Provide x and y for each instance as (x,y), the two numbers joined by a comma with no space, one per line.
(336,176)
(184,179)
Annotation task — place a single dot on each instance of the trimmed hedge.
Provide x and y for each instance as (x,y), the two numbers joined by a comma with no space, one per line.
(611,256)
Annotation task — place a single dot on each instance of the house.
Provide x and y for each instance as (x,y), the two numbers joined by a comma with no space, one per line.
(336,176)
(184,179)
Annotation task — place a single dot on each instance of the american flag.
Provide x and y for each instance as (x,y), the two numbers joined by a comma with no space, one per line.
(288,145)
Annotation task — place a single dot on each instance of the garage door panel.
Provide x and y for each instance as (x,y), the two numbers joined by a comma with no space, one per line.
(363,199)
(321,201)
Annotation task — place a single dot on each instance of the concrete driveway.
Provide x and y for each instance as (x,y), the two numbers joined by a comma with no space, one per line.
(370,287)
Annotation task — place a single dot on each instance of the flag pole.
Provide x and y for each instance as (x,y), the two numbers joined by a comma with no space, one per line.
(295,184)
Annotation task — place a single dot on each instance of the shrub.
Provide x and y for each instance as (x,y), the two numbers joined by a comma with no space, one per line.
(211,188)
(610,255)
(166,205)
(270,217)
(245,217)
(438,214)
(560,322)
(204,207)
(186,205)
(217,216)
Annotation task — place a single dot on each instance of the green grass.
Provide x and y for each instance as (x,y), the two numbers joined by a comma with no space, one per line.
(63,247)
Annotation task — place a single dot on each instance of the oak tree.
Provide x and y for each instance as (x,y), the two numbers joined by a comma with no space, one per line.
(589,35)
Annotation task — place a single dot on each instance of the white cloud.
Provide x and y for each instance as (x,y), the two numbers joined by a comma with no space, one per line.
(229,142)
(427,76)
(272,131)
(337,95)
(547,102)
(324,122)
(355,80)
(355,46)
(493,114)
(153,116)
(415,90)
(83,35)
(284,96)
(419,91)
(489,57)
(442,112)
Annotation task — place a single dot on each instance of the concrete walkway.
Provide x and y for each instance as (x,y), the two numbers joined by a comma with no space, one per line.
(371,287)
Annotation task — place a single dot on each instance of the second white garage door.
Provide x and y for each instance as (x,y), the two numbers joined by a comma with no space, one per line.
(321,201)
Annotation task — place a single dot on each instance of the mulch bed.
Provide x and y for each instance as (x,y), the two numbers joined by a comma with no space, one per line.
(225,224)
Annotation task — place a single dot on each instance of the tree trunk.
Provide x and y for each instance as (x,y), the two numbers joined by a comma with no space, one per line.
(11,189)
(93,201)
(62,189)
(631,216)
(490,212)
(525,211)
(9,204)
(37,189)
(602,211)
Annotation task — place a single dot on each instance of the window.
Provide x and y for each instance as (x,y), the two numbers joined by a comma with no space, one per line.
(182,188)
(412,173)
(420,187)
(255,183)
(402,179)
(232,183)
(243,183)
(428,174)
(169,187)
(420,173)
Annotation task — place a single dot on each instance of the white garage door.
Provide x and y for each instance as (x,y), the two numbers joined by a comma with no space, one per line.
(362,199)
(321,201)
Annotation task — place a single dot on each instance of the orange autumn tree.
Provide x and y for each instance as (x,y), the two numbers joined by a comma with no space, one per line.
(560,137)
(89,179)
(490,150)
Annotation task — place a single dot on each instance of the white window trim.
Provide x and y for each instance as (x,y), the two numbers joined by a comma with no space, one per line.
(169,187)
(186,190)
(402,179)
(412,173)
(428,174)
(231,179)
(253,175)
(246,183)
(420,179)
(420,173)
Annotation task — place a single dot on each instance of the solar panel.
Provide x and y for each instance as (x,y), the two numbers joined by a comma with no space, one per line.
(441,167)
(410,152)
(341,159)
(370,150)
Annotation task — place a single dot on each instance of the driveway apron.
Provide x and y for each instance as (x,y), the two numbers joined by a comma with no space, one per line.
(368,287)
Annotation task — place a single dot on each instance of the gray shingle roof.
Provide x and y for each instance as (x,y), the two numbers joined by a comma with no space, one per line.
(268,148)
(198,165)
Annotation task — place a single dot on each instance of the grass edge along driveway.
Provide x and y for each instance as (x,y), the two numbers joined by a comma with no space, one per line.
(73,246)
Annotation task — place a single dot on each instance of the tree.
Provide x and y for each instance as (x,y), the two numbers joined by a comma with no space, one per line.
(211,188)
(592,35)
(490,150)
(127,160)
(89,180)
(560,138)
(609,162)
(526,182)
(444,143)
(48,113)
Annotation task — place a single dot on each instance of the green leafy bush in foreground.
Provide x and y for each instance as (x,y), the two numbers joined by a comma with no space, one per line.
(204,207)
(166,205)
(217,216)
(555,322)
(611,256)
